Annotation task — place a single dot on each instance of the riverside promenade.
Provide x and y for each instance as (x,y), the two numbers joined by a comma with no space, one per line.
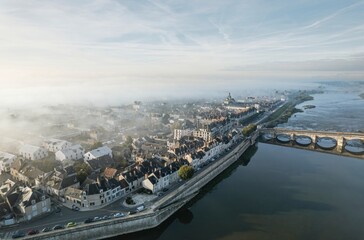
(160,210)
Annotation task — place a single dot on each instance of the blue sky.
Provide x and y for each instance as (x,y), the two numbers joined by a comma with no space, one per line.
(159,44)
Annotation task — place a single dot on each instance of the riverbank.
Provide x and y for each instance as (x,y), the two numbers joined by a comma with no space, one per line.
(287,110)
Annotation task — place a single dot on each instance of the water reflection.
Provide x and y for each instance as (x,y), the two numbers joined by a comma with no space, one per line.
(303,140)
(355,146)
(326,143)
(184,215)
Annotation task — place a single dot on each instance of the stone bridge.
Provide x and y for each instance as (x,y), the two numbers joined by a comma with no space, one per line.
(341,138)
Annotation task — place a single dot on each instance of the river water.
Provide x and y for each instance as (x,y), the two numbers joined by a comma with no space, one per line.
(337,109)
(275,192)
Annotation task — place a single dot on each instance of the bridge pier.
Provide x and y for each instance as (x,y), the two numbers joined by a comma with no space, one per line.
(341,141)
(314,139)
(274,135)
(293,137)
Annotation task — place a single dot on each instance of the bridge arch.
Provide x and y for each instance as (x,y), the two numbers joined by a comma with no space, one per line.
(322,139)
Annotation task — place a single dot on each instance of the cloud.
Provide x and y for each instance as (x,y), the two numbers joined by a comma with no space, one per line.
(134,43)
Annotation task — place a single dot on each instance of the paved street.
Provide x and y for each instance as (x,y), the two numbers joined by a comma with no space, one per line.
(62,218)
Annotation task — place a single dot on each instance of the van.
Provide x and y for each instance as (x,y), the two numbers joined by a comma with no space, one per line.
(140,208)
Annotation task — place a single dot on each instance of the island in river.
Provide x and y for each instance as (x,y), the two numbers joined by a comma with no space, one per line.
(308,106)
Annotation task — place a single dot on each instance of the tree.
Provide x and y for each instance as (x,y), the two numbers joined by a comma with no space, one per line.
(46,164)
(96,145)
(165,119)
(82,170)
(185,172)
(176,125)
(129,140)
(249,129)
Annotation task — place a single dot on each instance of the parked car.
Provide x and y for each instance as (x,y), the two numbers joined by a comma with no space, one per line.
(140,208)
(96,219)
(58,227)
(18,234)
(106,217)
(88,220)
(58,210)
(75,208)
(119,214)
(132,212)
(165,189)
(46,229)
(33,232)
(71,224)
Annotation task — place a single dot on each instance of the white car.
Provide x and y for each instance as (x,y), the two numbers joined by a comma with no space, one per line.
(119,214)
(140,208)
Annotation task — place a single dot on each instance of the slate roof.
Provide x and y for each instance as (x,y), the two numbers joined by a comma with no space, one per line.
(101,151)
(92,189)
(123,183)
(101,162)
(69,181)
(153,179)
(29,148)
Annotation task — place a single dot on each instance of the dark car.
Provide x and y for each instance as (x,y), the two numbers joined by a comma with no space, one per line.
(165,189)
(88,220)
(46,229)
(58,210)
(75,208)
(58,227)
(33,232)
(18,234)
(132,212)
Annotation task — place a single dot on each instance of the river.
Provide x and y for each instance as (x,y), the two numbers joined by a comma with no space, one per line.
(337,109)
(276,192)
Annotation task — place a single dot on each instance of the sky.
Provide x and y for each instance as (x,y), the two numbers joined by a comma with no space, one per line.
(118,50)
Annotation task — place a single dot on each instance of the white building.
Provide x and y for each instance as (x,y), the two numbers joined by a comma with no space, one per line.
(74,152)
(179,133)
(6,159)
(32,152)
(201,133)
(152,183)
(204,134)
(98,152)
(54,145)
